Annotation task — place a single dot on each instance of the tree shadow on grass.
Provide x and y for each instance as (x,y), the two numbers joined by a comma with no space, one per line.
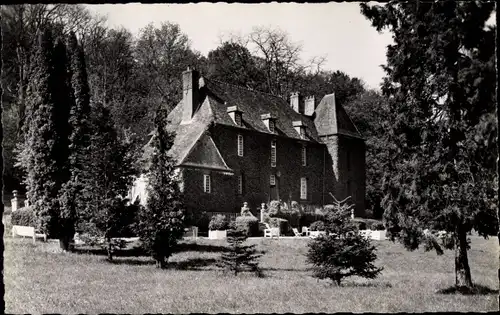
(130,252)
(476,290)
(194,247)
(367,285)
(193,264)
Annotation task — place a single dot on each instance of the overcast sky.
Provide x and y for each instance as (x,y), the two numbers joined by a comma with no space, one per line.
(337,31)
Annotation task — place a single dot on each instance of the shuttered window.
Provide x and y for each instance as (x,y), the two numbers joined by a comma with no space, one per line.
(272,180)
(237,119)
(271,126)
(273,153)
(303,188)
(240,145)
(206,183)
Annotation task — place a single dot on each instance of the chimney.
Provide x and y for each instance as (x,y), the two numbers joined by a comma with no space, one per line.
(309,106)
(295,102)
(190,93)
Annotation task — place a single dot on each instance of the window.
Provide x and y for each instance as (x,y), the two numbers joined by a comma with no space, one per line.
(240,184)
(271,126)
(240,145)
(273,153)
(206,183)
(302,132)
(272,180)
(303,188)
(237,119)
(304,155)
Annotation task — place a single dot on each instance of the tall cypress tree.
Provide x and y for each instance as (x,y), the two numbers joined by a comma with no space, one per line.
(79,130)
(441,83)
(64,101)
(38,151)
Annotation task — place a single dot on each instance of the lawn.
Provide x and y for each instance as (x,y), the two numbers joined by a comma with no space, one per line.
(38,279)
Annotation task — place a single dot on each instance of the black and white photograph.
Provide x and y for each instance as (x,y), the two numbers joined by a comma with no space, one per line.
(250,157)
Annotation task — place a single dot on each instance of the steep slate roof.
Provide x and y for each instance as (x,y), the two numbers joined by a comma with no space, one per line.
(253,104)
(332,119)
(216,96)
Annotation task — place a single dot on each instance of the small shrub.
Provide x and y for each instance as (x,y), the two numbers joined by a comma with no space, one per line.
(236,257)
(199,219)
(274,209)
(24,217)
(218,222)
(249,224)
(377,226)
(317,226)
(280,223)
(344,252)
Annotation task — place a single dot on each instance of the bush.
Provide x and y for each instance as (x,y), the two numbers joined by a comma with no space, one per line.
(317,226)
(218,223)
(377,226)
(237,257)
(342,253)
(282,224)
(274,209)
(248,224)
(199,219)
(24,217)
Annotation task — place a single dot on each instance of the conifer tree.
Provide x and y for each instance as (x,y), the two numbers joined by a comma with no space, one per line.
(63,102)
(78,123)
(161,221)
(440,82)
(344,252)
(236,257)
(105,179)
(38,151)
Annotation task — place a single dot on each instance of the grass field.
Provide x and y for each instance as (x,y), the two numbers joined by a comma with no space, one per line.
(38,279)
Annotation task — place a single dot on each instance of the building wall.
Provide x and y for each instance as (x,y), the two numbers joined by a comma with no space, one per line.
(348,169)
(255,165)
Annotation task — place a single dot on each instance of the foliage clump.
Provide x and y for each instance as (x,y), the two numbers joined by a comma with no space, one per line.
(343,252)
(161,221)
(218,223)
(238,257)
(23,217)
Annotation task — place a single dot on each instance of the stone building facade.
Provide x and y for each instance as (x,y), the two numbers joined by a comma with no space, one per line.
(236,145)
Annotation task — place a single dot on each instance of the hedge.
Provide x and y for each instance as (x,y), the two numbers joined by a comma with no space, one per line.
(218,222)
(317,226)
(248,224)
(24,217)
(281,223)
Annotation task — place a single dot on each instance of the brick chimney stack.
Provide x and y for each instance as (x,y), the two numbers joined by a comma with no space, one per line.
(190,93)
(295,102)
(309,105)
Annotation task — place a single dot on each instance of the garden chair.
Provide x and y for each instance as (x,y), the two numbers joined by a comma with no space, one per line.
(305,231)
(271,232)
(296,232)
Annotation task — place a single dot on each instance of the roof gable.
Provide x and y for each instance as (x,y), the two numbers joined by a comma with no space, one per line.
(205,153)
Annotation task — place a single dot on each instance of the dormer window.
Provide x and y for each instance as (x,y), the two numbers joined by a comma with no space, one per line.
(270,122)
(300,127)
(235,115)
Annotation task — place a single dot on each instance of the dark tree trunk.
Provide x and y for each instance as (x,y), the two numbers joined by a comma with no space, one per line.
(109,249)
(463,279)
(64,244)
